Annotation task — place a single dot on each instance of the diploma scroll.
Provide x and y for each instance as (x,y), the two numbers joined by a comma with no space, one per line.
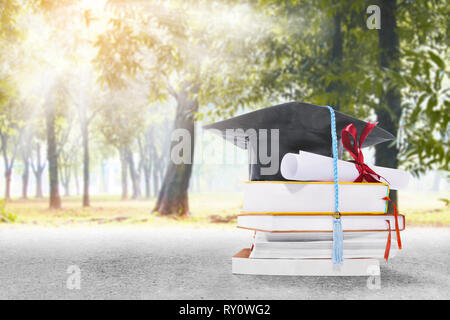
(307,166)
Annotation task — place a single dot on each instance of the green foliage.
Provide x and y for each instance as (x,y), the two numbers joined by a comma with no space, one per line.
(12,120)
(7,90)
(230,69)
(302,64)
(122,117)
(9,12)
(426,113)
(6,216)
(310,60)
(173,46)
(445,201)
(137,44)
(237,53)
(424,77)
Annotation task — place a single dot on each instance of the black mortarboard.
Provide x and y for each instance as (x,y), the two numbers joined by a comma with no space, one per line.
(302,126)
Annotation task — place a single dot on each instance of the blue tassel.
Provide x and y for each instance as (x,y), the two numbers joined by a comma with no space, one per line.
(338,242)
(338,237)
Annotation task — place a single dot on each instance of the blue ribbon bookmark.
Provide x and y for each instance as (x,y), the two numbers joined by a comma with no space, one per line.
(338,237)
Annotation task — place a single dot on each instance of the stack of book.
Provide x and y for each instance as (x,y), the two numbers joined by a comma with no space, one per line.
(291,204)
(293,220)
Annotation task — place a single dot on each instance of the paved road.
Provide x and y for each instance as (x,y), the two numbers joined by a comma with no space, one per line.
(145,263)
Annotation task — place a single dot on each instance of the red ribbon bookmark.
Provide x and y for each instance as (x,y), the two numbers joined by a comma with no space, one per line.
(388,243)
(397,229)
(365,173)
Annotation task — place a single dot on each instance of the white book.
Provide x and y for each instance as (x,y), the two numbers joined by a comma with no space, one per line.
(320,250)
(242,264)
(289,197)
(362,246)
(318,223)
(349,253)
(321,236)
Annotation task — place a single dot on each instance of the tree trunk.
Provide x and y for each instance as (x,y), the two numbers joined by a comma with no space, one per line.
(197,181)
(389,111)
(7,166)
(191,182)
(8,173)
(77,181)
(436,181)
(161,172)
(336,60)
(145,161)
(38,171)
(173,196)
(38,176)
(105,178)
(52,156)
(85,139)
(66,189)
(155,178)
(25,177)
(134,177)
(123,170)
(147,177)
(66,182)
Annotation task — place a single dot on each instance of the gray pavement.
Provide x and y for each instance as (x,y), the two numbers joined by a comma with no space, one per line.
(141,262)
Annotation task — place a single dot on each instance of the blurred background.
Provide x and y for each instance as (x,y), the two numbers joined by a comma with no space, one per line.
(90,92)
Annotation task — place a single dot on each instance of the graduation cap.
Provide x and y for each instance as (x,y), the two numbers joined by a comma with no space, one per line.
(301,126)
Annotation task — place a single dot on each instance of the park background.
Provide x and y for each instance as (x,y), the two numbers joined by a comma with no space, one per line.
(91,90)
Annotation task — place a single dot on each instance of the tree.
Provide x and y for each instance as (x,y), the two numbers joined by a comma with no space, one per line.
(223,75)
(52,153)
(154,146)
(123,172)
(120,123)
(159,153)
(8,15)
(424,135)
(303,64)
(145,163)
(25,151)
(167,49)
(11,123)
(133,43)
(37,139)
(135,177)
(319,52)
(423,78)
(68,147)
(85,105)
(64,17)
(38,167)
(389,110)
(173,196)
(414,101)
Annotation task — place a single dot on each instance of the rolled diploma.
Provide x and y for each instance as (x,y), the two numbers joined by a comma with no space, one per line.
(307,166)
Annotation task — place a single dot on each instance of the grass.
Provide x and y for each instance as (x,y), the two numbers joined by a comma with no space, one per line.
(207,210)
(6,216)
(425,208)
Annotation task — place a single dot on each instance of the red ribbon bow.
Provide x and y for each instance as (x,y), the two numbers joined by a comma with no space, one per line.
(365,173)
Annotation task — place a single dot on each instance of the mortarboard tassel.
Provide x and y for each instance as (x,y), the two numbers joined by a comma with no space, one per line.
(338,237)
(338,241)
